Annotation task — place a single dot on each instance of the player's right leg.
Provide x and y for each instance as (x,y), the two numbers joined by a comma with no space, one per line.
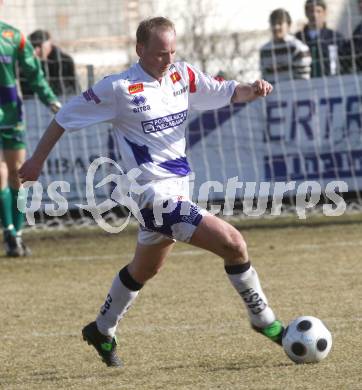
(126,285)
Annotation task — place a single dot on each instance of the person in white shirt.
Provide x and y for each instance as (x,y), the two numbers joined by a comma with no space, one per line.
(285,57)
(148,106)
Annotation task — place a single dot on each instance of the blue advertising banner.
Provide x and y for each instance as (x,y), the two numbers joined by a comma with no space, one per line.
(305,130)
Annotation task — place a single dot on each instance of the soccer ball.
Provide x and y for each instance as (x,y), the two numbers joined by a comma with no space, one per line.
(307,340)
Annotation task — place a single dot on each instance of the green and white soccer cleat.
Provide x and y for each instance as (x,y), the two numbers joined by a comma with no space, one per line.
(273,332)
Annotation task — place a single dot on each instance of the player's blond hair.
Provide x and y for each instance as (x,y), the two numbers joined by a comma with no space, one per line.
(146,27)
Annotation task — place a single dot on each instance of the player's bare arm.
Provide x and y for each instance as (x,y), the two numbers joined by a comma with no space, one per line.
(31,169)
(249,92)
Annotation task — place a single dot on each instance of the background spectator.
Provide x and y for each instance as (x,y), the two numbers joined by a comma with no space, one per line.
(326,45)
(356,49)
(58,67)
(284,57)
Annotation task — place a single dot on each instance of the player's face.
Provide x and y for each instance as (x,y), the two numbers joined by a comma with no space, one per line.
(158,54)
(316,16)
(279,30)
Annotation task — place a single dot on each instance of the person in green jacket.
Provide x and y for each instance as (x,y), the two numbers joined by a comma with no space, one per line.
(15,51)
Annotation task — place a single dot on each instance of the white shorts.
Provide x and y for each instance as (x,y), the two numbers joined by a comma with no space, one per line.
(167,211)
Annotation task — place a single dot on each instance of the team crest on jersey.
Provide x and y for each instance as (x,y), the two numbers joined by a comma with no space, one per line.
(138,100)
(175,77)
(135,88)
(8,34)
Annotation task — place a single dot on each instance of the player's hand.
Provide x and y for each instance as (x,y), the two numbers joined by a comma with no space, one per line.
(30,170)
(262,88)
(249,92)
(55,107)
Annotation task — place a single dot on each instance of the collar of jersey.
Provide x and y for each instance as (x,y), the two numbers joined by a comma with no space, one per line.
(145,76)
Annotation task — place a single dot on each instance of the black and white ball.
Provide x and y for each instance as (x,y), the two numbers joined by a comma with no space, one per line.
(307,340)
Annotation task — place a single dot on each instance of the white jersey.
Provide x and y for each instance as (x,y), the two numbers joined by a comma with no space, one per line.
(149,117)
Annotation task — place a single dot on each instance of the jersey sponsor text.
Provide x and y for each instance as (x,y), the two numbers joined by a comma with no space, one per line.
(164,122)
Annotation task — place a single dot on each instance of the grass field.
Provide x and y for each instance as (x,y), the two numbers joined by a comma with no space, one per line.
(188,328)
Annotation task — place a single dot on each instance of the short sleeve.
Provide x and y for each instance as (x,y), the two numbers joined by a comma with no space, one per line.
(96,105)
(207,93)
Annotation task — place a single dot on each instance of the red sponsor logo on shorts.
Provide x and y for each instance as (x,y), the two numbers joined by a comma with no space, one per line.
(135,88)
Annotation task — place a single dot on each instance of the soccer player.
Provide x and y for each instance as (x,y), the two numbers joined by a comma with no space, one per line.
(148,105)
(16,50)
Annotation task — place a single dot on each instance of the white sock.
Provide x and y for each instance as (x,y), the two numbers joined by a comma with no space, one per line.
(246,282)
(123,292)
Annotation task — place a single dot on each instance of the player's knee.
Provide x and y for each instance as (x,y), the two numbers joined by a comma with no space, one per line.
(236,249)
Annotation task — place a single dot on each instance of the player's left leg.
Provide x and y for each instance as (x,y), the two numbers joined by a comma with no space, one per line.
(224,240)
(188,223)
(11,248)
(14,157)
